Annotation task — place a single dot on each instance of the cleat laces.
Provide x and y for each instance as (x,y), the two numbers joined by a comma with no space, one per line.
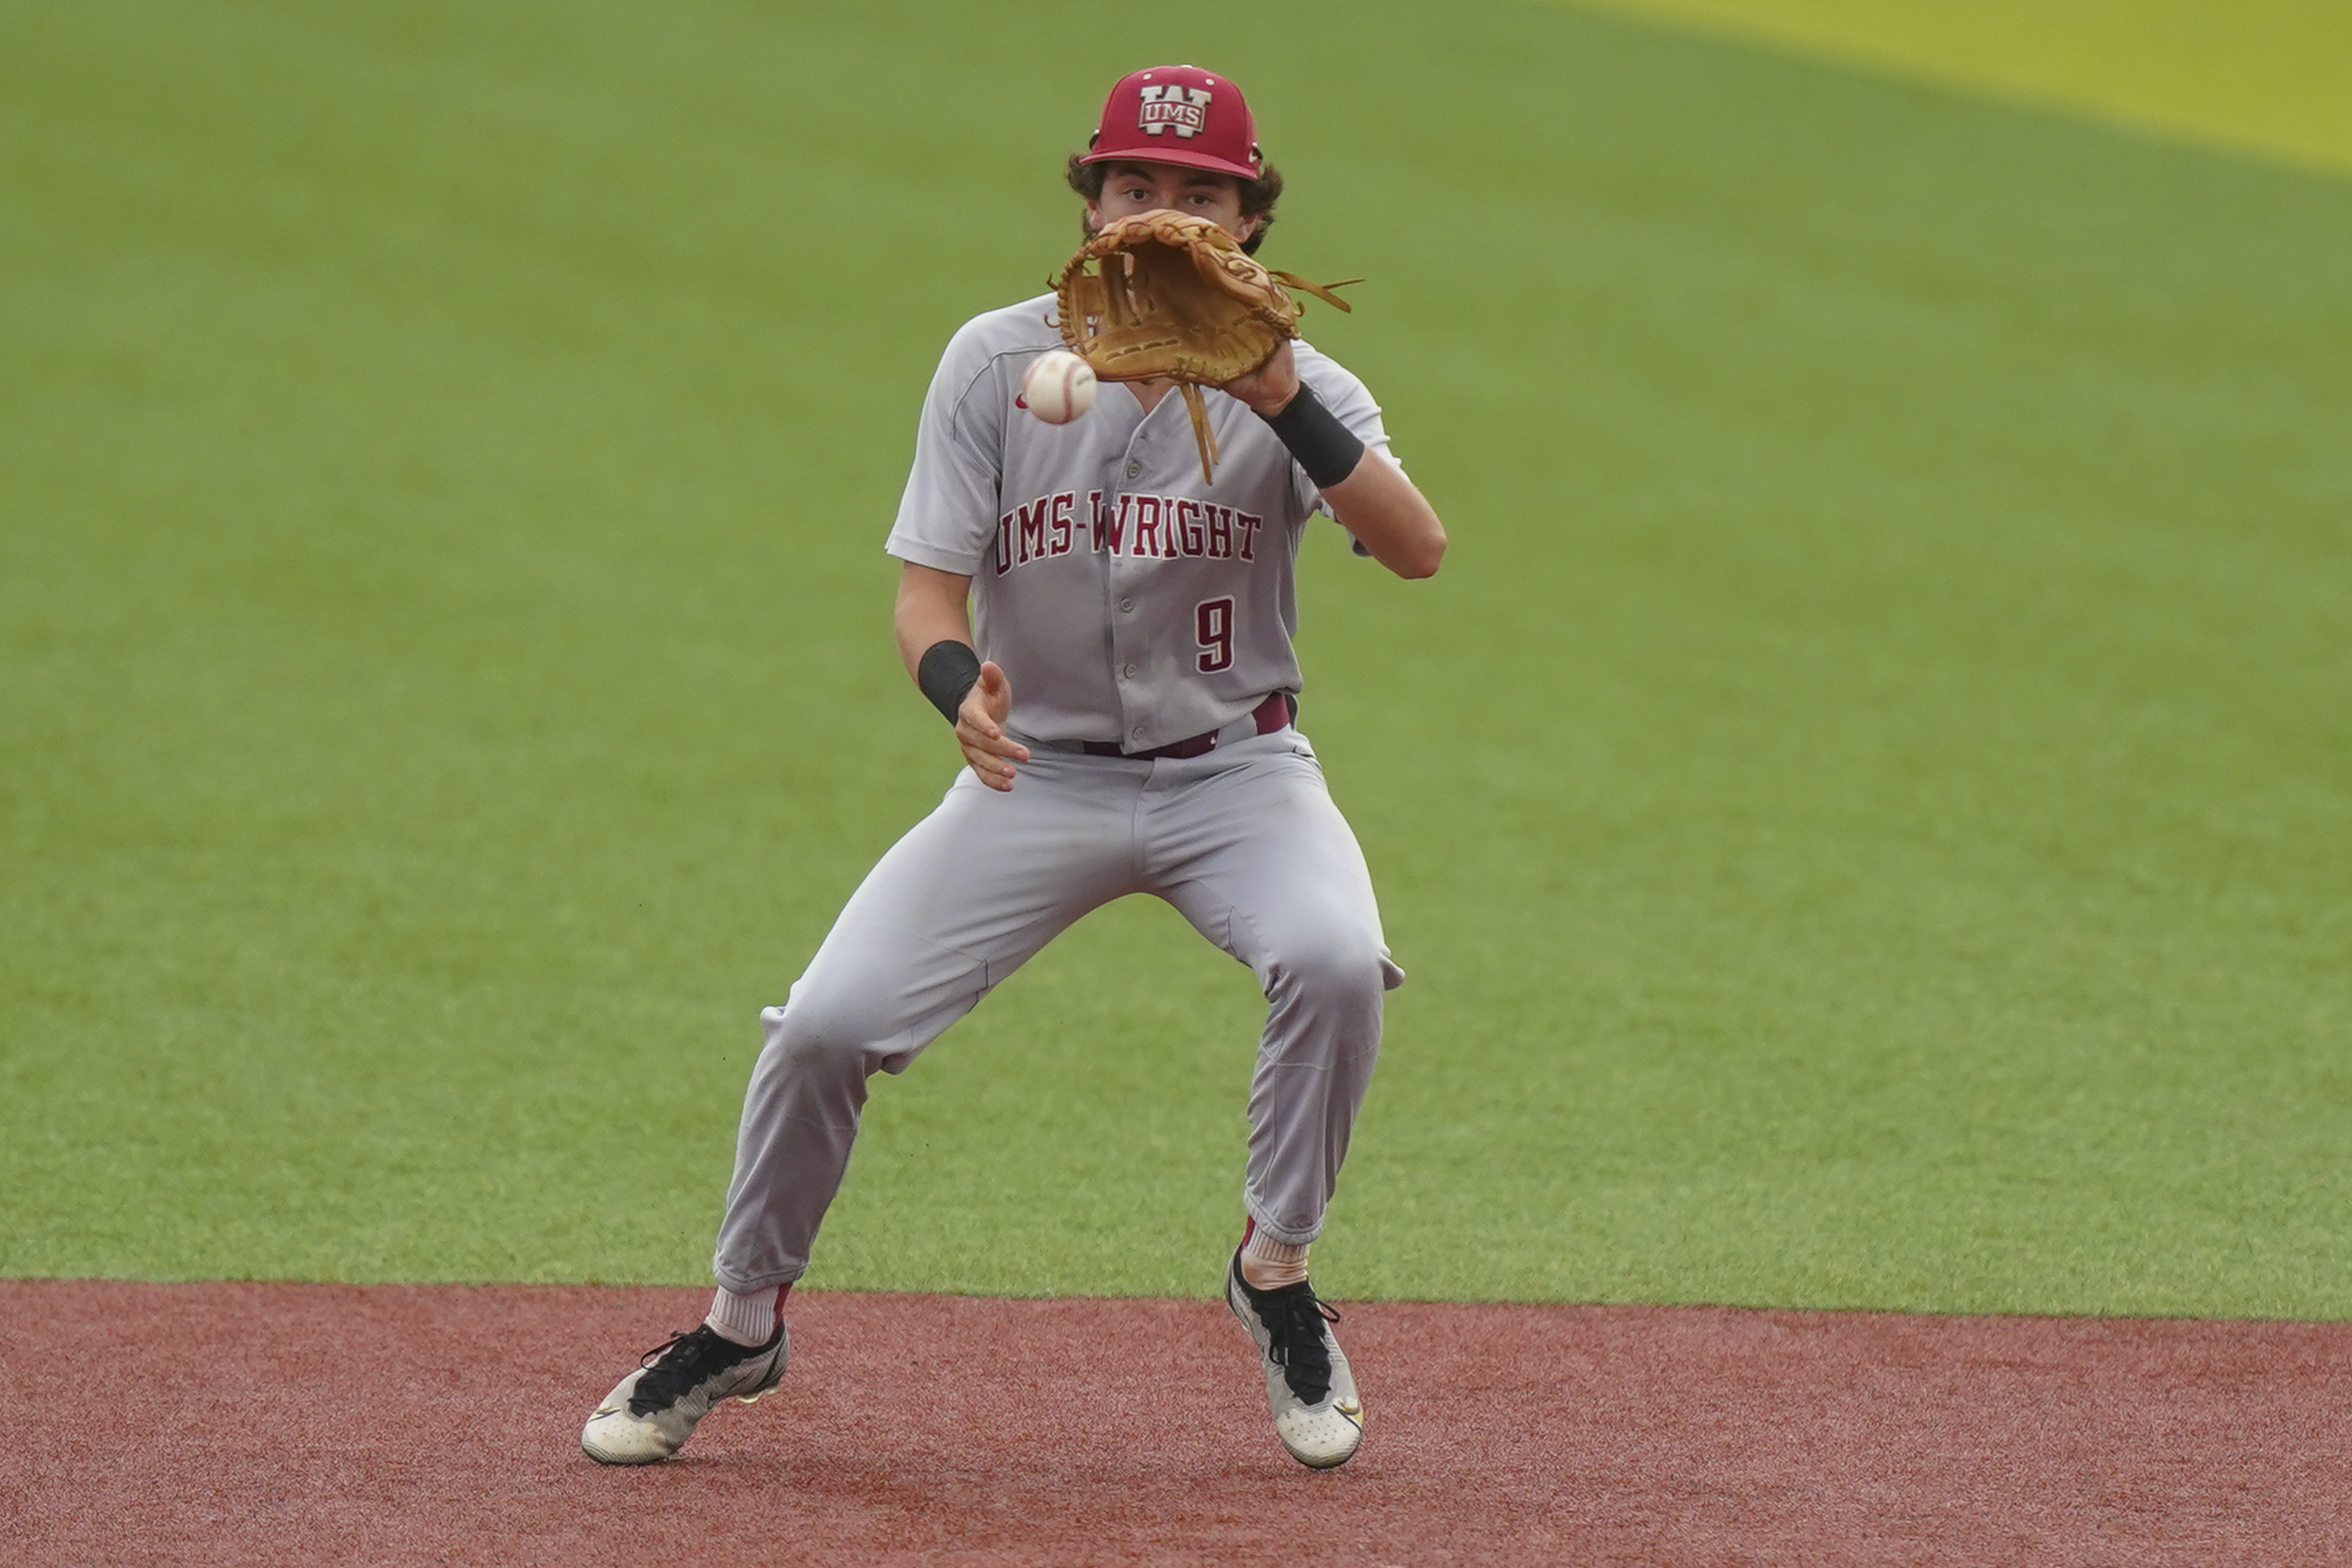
(681,1363)
(1293,1320)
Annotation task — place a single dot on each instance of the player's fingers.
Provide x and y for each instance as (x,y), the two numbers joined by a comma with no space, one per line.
(994,771)
(995,692)
(980,737)
(985,711)
(994,763)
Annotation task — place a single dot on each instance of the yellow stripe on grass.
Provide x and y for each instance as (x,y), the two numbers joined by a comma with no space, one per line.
(2267,76)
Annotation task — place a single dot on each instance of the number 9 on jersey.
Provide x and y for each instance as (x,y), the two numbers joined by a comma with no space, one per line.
(1212,621)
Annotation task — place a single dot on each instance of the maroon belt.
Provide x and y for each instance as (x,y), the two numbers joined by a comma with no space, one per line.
(1272,715)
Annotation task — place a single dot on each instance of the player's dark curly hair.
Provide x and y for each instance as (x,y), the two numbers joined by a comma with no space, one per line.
(1257,196)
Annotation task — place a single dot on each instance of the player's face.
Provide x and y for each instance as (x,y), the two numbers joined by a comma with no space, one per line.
(1170,188)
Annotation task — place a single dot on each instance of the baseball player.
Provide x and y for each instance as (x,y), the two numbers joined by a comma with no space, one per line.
(1109,632)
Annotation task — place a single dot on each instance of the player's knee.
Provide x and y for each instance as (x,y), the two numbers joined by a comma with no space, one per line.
(1329,966)
(823,1032)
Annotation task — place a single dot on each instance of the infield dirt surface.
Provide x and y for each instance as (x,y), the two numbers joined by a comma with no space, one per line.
(268,1423)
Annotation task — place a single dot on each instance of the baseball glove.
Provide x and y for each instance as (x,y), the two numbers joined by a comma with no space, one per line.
(1177,297)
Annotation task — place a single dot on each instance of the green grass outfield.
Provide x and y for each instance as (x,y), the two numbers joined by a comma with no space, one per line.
(2273,77)
(1867,806)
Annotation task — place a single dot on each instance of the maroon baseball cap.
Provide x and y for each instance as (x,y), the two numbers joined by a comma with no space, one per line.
(1178,114)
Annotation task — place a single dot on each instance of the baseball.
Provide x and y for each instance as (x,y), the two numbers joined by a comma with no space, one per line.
(1059,387)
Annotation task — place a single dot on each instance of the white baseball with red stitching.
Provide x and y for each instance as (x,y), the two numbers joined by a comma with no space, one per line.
(1059,387)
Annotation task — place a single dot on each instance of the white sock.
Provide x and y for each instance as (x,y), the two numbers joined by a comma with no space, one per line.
(746,1319)
(1269,1264)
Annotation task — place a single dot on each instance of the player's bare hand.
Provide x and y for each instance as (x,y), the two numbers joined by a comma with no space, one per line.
(1269,387)
(979,730)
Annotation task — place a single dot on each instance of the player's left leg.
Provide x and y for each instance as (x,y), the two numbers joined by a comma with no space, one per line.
(1248,844)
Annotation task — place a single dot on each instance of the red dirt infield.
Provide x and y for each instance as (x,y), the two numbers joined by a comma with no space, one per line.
(257,1423)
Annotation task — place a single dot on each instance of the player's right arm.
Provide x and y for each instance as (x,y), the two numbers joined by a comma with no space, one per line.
(1387,515)
(935,607)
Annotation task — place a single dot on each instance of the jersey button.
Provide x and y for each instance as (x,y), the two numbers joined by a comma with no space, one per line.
(1136,732)
(1126,604)
(1134,468)
(1129,672)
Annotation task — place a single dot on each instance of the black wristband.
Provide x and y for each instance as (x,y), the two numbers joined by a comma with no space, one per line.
(1326,448)
(947,672)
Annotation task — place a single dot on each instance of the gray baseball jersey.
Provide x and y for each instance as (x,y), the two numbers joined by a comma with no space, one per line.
(1126,598)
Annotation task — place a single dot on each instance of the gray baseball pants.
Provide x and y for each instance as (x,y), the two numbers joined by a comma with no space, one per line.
(1244,841)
